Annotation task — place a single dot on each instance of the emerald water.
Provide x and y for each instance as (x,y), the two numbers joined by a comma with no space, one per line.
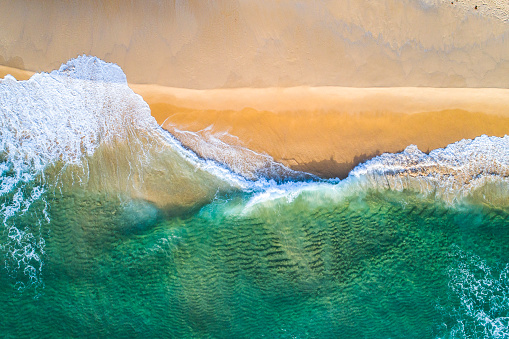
(126,234)
(380,265)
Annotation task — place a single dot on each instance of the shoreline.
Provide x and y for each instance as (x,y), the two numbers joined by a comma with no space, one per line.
(325,131)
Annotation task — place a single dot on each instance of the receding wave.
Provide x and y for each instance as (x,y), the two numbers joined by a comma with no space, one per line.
(224,148)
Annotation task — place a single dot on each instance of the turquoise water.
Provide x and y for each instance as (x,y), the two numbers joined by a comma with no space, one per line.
(126,234)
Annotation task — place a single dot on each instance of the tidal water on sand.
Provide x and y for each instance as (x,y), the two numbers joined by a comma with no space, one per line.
(110,228)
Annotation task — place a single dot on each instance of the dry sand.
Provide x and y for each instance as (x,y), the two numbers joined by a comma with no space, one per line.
(329,130)
(266,43)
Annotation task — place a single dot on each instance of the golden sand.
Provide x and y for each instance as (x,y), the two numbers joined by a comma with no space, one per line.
(329,130)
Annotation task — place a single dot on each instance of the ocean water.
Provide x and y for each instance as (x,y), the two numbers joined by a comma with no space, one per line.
(110,228)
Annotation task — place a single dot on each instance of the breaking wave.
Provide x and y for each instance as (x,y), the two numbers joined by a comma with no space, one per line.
(83,126)
(457,171)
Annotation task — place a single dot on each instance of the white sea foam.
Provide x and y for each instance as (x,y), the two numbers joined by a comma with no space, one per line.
(451,173)
(64,117)
(456,172)
(484,298)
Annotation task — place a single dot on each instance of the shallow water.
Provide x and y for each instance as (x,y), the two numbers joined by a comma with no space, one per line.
(139,237)
(378,265)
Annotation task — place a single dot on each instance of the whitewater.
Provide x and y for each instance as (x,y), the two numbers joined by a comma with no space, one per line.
(104,212)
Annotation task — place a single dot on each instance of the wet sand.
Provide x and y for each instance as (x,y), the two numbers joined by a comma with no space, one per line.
(19,74)
(327,131)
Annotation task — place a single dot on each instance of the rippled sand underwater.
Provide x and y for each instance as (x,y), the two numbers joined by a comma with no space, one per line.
(112,229)
(378,264)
